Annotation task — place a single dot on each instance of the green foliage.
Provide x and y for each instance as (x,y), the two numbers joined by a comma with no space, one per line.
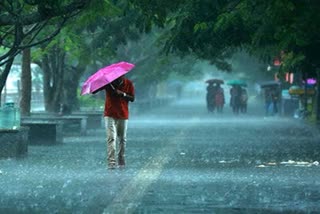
(90,101)
(153,12)
(151,64)
(291,60)
(225,20)
(214,29)
(200,27)
(3,50)
(94,12)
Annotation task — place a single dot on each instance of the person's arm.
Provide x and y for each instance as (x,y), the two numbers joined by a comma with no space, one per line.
(125,96)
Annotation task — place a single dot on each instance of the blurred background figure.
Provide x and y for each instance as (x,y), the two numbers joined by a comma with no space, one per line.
(235,94)
(268,102)
(244,101)
(210,97)
(219,100)
(275,100)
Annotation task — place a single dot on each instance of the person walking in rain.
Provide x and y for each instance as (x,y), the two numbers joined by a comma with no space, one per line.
(244,101)
(116,114)
(268,101)
(219,98)
(210,97)
(275,99)
(235,93)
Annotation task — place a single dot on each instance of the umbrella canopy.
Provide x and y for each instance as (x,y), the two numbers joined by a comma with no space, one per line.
(216,81)
(104,76)
(237,82)
(269,84)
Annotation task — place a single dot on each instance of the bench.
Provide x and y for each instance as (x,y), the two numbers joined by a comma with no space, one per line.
(41,131)
(14,142)
(95,118)
(73,123)
(70,123)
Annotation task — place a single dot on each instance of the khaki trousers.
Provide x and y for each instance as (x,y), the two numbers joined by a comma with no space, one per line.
(116,133)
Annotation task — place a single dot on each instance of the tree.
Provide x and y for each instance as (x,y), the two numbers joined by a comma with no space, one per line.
(52,64)
(190,28)
(24,24)
(152,65)
(214,29)
(89,40)
(26,85)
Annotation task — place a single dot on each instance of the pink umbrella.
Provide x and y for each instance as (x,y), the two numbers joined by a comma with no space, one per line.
(105,76)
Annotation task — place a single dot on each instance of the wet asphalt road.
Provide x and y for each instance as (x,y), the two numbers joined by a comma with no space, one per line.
(180,159)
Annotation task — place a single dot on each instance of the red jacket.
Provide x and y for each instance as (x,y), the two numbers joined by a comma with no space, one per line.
(116,106)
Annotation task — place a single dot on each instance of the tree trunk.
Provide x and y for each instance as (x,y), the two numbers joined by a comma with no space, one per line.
(53,73)
(4,75)
(26,83)
(44,64)
(60,81)
(71,81)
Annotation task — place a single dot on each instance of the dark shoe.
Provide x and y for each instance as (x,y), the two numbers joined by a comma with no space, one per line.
(122,166)
(112,166)
(121,162)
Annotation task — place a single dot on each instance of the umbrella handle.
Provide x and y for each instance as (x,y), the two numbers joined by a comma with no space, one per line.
(112,87)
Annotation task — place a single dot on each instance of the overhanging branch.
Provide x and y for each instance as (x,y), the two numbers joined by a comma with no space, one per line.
(44,14)
(48,38)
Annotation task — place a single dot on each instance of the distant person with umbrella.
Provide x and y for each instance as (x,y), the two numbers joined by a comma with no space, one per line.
(119,92)
(210,97)
(219,98)
(235,94)
(214,100)
(244,101)
(235,98)
(271,96)
(275,100)
(268,101)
